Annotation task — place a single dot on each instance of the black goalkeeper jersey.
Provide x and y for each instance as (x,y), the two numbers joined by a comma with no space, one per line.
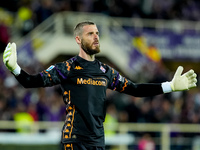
(84,85)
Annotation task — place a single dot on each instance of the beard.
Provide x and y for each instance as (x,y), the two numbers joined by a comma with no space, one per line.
(88,48)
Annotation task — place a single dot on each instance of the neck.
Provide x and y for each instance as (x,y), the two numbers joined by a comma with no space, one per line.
(86,56)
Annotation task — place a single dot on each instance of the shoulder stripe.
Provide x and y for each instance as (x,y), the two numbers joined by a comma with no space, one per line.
(64,77)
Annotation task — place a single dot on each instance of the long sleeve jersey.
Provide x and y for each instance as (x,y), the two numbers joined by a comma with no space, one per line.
(84,85)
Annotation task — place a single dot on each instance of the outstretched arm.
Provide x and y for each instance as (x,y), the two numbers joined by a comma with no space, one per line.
(179,83)
(29,81)
(10,61)
(54,75)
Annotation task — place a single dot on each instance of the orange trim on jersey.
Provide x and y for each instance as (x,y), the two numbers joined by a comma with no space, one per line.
(113,71)
(68,110)
(68,146)
(48,74)
(71,112)
(125,85)
(68,66)
(67,130)
(72,121)
(114,80)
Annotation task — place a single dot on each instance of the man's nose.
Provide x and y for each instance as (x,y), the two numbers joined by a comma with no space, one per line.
(96,36)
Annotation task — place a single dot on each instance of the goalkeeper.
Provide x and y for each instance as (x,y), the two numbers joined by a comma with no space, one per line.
(84,80)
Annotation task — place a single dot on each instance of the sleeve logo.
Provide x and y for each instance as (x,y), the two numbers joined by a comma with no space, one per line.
(121,78)
(50,68)
(78,68)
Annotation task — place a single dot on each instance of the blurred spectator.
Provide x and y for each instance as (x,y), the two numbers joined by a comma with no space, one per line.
(81,5)
(2,106)
(55,110)
(4,36)
(44,10)
(111,119)
(132,109)
(23,119)
(33,111)
(146,114)
(5,20)
(146,143)
(10,5)
(25,17)
(100,6)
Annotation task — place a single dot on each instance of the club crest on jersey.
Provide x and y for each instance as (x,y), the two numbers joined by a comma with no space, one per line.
(50,68)
(103,69)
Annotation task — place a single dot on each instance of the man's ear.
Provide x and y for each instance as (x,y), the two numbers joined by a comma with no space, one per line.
(78,39)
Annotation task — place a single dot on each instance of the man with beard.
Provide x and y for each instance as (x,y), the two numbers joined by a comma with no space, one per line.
(84,81)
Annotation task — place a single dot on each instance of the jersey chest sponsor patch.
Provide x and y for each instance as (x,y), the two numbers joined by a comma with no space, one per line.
(92,81)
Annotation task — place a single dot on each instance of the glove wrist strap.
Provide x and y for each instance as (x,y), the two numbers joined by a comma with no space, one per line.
(17,70)
(166,87)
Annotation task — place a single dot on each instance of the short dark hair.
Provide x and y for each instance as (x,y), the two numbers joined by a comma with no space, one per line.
(78,28)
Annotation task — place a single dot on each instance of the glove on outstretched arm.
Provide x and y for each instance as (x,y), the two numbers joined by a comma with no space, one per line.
(183,82)
(10,59)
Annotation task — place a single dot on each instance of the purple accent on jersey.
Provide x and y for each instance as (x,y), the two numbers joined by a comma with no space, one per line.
(73,59)
(64,77)
(41,74)
(112,85)
(117,81)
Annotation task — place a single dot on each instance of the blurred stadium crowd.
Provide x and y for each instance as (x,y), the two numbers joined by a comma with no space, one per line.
(45,104)
(29,13)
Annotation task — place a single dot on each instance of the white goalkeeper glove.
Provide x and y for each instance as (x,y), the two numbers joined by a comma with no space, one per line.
(183,82)
(10,59)
(180,82)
